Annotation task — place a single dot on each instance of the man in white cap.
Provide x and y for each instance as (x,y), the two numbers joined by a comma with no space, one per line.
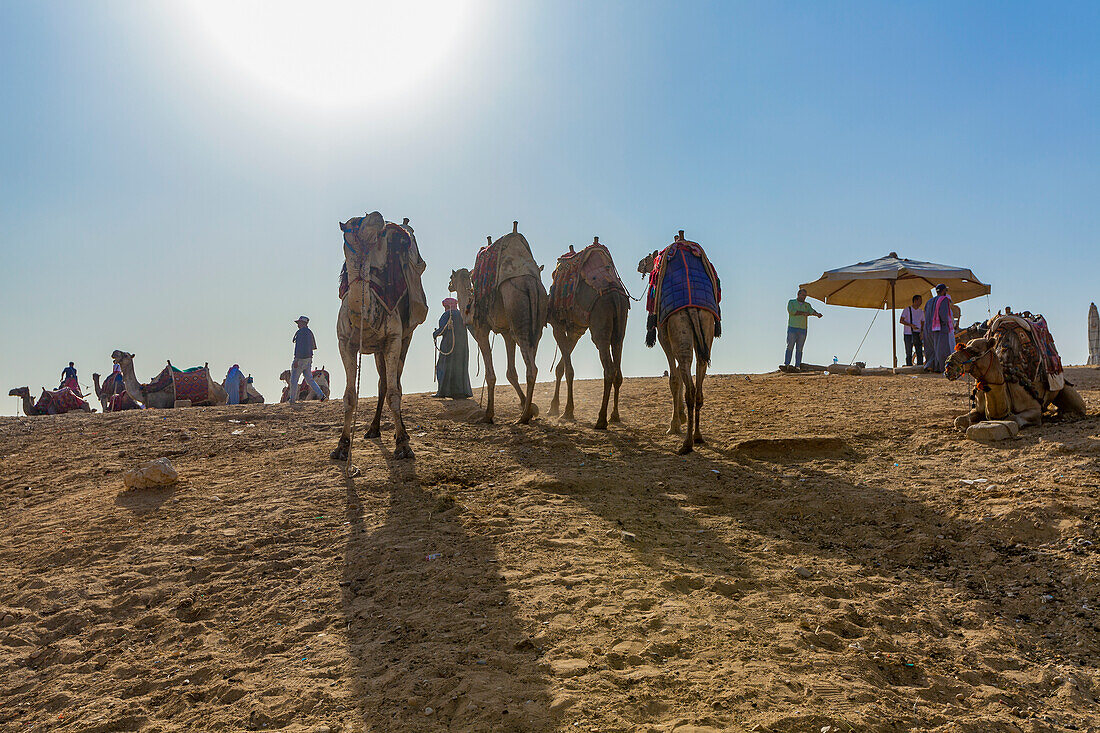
(304,346)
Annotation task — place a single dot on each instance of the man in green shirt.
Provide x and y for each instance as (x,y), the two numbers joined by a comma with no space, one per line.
(797,311)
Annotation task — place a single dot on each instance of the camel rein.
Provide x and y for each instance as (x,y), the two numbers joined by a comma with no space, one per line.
(358,370)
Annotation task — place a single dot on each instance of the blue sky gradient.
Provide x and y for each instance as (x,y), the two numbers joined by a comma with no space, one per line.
(153,198)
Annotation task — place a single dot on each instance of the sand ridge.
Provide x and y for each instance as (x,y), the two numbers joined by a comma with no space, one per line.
(821,563)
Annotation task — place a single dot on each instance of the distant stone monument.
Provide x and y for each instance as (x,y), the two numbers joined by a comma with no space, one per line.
(1094,336)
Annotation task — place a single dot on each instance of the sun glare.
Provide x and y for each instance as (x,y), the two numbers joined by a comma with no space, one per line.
(333,53)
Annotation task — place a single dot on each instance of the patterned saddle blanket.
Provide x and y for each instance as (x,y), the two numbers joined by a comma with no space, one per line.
(190,384)
(59,401)
(579,279)
(389,283)
(683,277)
(1040,359)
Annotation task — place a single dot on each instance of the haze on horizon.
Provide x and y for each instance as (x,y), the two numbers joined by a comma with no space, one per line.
(174,173)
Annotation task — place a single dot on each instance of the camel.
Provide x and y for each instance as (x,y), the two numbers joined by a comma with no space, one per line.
(683,333)
(32,410)
(103,393)
(318,376)
(515,307)
(383,305)
(251,395)
(1007,387)
(163,398)
(604,318)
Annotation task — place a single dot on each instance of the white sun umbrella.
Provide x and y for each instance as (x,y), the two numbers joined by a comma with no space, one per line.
(889,280)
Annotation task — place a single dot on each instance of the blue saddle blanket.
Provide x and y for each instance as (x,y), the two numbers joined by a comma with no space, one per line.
(686,282)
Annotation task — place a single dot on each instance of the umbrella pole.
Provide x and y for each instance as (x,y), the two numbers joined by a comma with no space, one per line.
(894,324)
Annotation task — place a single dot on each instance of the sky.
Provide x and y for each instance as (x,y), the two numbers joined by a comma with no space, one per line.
(173,175)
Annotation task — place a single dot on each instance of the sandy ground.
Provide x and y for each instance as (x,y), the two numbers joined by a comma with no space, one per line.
(820,565)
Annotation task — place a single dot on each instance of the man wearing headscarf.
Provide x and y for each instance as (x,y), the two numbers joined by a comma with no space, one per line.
(233,384)
(939,323)
(452,366)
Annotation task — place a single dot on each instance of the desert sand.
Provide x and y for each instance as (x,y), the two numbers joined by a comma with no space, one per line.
(836,558)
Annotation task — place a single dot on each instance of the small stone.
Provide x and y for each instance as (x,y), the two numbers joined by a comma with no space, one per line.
(630,537)
(429,711)
(803,572)
(7,620)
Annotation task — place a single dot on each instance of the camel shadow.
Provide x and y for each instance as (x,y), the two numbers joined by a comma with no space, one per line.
(806,505)
(432,632)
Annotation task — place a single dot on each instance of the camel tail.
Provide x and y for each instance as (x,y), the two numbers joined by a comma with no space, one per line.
(702,348)
(533,327)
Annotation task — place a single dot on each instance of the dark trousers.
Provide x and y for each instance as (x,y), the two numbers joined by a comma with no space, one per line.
(913,347)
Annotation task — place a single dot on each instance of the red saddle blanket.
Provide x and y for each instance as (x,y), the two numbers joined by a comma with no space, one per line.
(191,384)
(121,401)
(60,401)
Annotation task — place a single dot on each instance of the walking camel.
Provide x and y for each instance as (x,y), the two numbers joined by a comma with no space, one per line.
(505,295)
(686,331)
(382,306)
(588,295)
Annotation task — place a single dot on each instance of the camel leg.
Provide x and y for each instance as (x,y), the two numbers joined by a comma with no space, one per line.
(393,397)
(617,361)
(375,429)
(962,422)
(567,363)
(608,381)
(560,336)
(530,409)
(511,373)
(684,361)
(490,375)
(700,375)
(678,416)
(1070,402)
(351,398)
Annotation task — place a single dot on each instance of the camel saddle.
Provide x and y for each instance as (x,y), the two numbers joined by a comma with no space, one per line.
(683,277)
(579,279)
(1040,359)
(400,276)
(506,258)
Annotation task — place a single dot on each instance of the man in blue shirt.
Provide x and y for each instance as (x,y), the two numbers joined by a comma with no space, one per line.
(304,346)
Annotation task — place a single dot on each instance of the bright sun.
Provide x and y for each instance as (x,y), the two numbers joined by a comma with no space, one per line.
(332,53)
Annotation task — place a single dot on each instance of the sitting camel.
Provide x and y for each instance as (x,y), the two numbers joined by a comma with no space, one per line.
(56,402)
(304,392)
(513,304)
(107,390)
(684,332)
(164,396)
(1005,365)
(587,295)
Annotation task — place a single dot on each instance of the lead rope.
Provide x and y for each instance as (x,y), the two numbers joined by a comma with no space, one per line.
(358,377)
(853,361)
